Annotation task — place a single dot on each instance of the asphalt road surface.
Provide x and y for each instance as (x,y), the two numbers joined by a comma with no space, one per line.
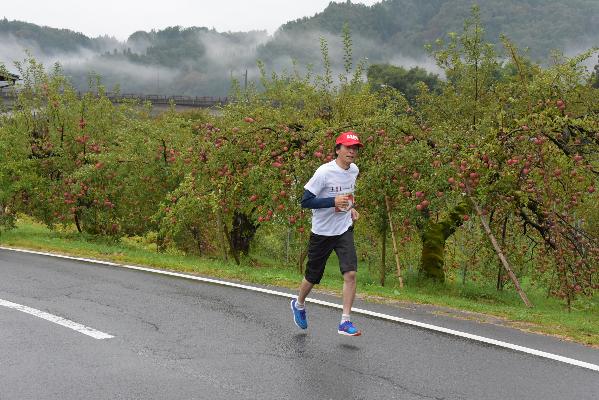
(174,338)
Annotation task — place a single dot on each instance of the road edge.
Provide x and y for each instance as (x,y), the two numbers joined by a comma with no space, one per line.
(452,332)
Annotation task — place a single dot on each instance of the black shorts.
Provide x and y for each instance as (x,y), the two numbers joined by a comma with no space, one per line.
(320,249)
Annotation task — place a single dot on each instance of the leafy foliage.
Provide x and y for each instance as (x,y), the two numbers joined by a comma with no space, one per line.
(402,79)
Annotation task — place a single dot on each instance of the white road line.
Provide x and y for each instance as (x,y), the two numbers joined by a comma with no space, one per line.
(86,330)
(387,317)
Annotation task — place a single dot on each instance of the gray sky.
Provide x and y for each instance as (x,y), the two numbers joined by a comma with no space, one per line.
(120,18)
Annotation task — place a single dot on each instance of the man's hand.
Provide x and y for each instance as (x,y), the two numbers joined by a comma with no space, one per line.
(355,215)
(342,201)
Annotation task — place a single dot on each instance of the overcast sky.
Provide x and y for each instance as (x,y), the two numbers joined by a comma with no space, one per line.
(120,18)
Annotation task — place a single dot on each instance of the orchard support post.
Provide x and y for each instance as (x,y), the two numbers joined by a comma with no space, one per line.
(500,254)
(383,257)
(395,251)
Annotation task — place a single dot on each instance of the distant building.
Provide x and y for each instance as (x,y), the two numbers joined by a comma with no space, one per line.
(8,79)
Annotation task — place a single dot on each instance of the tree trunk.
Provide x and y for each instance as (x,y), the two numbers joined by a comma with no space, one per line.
(434,236)
(242,233)
(230,241)
(77,224)
(223,230)
(197,237)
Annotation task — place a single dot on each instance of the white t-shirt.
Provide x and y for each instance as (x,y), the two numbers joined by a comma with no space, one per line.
(330,180)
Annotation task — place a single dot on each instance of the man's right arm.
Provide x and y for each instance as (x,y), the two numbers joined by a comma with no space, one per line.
(309,200)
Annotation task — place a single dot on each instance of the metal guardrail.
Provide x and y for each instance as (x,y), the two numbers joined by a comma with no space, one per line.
(189,101)
(197,101)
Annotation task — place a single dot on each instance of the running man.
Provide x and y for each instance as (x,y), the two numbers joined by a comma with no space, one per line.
(330,195)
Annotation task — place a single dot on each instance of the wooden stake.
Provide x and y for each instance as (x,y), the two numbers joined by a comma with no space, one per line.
(501,255)
(383,257)
(395,252)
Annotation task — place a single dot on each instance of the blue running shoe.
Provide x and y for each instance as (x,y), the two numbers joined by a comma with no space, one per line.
(348,329)
(299,316)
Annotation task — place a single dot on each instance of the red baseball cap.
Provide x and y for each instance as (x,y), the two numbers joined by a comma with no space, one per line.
(349,138)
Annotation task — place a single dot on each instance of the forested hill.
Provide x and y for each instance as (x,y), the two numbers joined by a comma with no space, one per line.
(201,61)
(405,26)
(47,39)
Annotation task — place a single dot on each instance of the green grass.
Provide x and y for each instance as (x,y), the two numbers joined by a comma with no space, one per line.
(549,316)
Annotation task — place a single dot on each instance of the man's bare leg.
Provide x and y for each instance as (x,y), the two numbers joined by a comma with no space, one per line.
(349,291)
(304,291)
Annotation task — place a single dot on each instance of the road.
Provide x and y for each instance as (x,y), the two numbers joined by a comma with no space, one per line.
(175,338)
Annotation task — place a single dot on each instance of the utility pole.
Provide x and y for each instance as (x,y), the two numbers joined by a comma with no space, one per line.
(245,83)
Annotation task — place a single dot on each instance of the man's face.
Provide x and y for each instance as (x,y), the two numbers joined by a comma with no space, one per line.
(348,154)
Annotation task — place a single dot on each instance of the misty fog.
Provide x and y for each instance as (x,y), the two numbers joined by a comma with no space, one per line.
(221,57)
(214,59)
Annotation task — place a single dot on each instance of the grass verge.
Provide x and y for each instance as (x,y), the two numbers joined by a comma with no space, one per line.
(548,316)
